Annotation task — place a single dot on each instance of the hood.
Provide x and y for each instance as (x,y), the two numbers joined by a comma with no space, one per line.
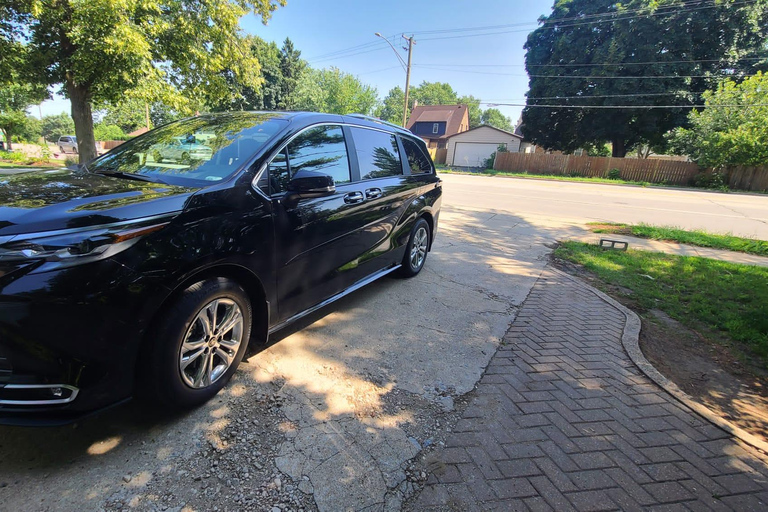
(63,198)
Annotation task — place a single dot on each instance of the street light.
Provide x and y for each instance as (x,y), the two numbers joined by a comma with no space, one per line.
(406,68)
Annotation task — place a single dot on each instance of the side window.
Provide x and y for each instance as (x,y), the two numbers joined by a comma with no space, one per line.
(321,150)
(418,162)
(377,153)
(435,128)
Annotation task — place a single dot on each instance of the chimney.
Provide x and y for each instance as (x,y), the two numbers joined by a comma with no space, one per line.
(415,103)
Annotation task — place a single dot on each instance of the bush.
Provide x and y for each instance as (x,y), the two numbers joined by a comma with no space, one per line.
(108,132)
(614,174)
(70,160)
(711,180)
(13,156)
(488,162)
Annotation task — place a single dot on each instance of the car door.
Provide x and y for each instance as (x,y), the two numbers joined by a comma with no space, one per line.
(317,238)
(384,182)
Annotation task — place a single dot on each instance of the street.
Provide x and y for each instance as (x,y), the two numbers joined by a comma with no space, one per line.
(328,416)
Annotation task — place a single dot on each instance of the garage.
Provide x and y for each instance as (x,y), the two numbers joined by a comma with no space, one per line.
(473,147)
(473,154)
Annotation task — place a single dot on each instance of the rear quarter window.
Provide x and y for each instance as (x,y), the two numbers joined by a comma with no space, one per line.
(419,162)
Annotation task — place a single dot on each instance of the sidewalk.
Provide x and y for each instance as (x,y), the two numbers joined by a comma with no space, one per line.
(645,244)
(562,419)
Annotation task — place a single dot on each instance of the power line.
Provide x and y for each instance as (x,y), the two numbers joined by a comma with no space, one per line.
(585,77)
(598,64)
(646,107)
(338,53)
(617,16)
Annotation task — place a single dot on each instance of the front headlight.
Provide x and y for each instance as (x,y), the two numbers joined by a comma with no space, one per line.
(72,247)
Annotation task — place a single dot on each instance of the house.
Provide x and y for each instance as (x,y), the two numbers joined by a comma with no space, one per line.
(435,123)
(473,147)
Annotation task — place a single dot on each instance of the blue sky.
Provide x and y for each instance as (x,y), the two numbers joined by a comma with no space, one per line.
(488,66)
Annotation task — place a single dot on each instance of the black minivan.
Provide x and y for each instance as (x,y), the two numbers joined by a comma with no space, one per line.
(151,268)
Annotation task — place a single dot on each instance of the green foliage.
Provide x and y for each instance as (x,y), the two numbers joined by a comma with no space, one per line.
(712,180)
(104,131)
(335,92)
(474,111)
(172,51)
(494,117)
(432,93)
(714,297)
(29,131)
(391,109)
(614,174)
(680,35)
(69,161)
(722,135)
(488,162)
(15,97)
(56,126)
(13,156)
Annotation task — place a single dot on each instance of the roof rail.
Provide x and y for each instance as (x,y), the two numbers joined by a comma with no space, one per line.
(376,120)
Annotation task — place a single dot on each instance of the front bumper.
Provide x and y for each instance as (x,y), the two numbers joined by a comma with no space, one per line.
(68,339)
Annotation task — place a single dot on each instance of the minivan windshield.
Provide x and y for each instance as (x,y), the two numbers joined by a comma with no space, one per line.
(198,151)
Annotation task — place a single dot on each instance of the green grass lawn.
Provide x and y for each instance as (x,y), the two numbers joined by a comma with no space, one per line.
(491,172)
(698,238)
(716,298)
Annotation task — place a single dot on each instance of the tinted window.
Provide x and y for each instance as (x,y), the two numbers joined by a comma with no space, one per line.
(417,160)
(377,154)
(278,173)
(321,150)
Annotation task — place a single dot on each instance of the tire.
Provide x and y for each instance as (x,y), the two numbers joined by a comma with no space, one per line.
(181,344)
(61,149)
(416,250)
(74,150)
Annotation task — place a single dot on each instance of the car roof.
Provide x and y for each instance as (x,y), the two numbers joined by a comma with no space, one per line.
(308,118)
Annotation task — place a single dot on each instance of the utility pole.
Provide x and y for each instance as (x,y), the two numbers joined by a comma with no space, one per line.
(407,77)
(146,113)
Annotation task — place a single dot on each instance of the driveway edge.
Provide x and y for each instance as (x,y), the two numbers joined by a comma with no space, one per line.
(629,340)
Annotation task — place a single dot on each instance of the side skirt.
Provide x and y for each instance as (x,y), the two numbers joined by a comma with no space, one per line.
(354,287)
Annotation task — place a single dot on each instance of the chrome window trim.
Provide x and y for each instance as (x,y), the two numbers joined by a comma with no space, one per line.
(255,180)
(57,401)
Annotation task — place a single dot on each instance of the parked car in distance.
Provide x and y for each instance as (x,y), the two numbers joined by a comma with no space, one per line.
(181,149)
(67,143)
(140,276)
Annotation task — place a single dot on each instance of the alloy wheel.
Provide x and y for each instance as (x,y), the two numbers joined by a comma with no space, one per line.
(211,343)
(419,248)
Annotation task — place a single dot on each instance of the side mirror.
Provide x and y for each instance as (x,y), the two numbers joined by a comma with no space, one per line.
(308,183)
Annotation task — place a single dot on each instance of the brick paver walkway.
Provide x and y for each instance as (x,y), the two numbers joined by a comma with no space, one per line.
(562,419)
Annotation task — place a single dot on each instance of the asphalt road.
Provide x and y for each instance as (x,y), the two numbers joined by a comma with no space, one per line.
(329,415)
(573,202)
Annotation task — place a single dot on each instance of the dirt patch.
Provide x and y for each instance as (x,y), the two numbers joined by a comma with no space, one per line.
(610,229)
(712,370)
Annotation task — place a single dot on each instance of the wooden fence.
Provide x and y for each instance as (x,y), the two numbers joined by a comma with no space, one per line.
(742,177)
(652,171)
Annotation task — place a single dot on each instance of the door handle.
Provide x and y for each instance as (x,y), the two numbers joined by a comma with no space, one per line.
(373,193)
(354,198)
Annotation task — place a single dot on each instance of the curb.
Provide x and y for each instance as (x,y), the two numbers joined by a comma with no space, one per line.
(629,340)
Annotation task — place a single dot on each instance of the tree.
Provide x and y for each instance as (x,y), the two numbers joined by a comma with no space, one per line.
(335,92)
(433,93)
(292,67)
(15,98)
(391,109)
(578,51)
(494,117)
(722,134)
(99,51)
(30,130)
(474,111)
(103,131)
(56,126)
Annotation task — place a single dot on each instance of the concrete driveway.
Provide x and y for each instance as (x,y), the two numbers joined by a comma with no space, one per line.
(329,415)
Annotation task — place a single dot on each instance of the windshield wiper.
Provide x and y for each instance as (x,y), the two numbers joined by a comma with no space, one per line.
(126,175)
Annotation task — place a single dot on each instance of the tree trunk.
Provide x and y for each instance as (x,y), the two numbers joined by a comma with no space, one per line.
(619,148)
(80,97)
(7,133)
